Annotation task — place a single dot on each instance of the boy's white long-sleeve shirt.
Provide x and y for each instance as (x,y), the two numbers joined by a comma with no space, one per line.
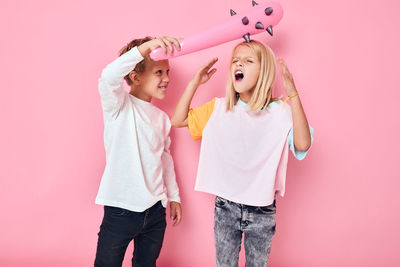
(139,168)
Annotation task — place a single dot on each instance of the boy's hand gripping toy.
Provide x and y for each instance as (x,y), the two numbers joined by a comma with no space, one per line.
(259,18)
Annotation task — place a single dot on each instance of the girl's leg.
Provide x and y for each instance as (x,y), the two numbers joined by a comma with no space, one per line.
(258,234)
(227,233)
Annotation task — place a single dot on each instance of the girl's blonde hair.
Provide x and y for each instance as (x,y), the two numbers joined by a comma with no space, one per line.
(262,93)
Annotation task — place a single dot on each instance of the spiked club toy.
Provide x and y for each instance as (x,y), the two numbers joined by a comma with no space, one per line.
(259,18)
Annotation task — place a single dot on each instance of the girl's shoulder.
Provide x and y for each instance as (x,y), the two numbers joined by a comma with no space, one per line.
(274,104)
(279,107)
(219,101)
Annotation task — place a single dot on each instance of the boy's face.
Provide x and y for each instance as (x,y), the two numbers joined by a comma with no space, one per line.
(245,69)
(154,80)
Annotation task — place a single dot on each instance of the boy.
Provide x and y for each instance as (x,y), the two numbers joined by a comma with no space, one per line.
(139,175)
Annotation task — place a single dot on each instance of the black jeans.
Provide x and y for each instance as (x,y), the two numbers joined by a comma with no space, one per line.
(120,226)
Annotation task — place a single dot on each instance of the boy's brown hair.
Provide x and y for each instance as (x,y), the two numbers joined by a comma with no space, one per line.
(141,66)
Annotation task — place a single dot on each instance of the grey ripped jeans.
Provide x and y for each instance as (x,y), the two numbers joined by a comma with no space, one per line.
(231,220)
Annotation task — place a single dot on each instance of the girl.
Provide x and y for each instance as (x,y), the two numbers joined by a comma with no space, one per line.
(244,150)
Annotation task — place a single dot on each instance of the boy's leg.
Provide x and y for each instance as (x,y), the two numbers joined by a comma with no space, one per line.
(149,242)
(258,234)
(227,232)
(116,231)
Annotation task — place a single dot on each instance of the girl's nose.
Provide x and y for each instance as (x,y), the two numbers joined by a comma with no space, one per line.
(239,63)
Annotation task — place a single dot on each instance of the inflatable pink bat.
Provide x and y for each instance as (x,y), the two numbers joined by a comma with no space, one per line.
(255,20)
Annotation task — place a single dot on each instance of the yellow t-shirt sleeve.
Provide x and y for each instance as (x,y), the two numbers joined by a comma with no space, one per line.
(198,118)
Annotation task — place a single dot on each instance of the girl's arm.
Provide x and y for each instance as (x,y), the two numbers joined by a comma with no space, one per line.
(301,129)
(179,119)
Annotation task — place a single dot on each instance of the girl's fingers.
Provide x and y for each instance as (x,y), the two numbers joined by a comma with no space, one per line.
(281,63)
(212,72)
(209,64)
(204,70)
(212,62)
(285,71)
(283,67)
(286,75)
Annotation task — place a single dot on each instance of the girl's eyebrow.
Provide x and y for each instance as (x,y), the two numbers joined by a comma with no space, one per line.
(246,57)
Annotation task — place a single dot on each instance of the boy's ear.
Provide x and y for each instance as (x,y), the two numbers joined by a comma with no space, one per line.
(135,77)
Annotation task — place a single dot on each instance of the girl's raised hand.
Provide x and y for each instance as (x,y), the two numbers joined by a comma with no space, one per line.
(204,73)
(287,78)
(162,42)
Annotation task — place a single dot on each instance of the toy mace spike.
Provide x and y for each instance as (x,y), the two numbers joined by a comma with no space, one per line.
(258,18)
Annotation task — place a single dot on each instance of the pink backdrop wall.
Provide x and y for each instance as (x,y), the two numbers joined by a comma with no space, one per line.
(342,204)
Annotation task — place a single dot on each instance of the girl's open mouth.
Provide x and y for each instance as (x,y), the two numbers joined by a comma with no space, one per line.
(239,75)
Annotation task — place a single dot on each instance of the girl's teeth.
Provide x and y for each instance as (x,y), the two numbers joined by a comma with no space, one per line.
(239,75)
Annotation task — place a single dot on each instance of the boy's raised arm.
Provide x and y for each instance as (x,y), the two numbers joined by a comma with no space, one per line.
(111,81)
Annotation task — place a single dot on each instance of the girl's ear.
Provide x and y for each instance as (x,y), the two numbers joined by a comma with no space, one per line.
(135,77)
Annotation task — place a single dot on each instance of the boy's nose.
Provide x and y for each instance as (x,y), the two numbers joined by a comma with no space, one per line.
(166,78)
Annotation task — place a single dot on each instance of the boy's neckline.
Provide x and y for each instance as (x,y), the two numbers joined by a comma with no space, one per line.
(140,100)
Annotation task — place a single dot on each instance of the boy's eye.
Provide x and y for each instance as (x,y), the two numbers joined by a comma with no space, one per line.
(158,72)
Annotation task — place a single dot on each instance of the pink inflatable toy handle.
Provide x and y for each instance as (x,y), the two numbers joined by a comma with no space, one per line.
(259,18)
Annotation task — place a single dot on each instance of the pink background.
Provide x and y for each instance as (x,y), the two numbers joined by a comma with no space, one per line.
(342,204)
